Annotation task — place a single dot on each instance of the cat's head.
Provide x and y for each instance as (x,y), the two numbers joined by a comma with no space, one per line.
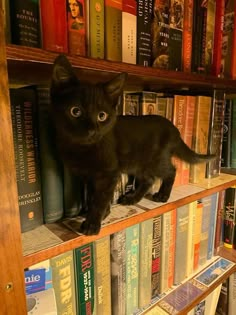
(83,112)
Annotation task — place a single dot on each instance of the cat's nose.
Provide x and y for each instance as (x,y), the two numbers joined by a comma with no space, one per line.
(91,132)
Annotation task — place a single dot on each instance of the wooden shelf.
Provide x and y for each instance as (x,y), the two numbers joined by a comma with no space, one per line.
(33,66)
(71,240)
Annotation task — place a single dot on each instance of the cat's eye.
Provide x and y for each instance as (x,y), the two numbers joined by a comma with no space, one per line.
(102,116)
(75,111)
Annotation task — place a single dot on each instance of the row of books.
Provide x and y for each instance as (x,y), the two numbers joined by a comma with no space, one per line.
(227,298)
(128,271)
(176,35)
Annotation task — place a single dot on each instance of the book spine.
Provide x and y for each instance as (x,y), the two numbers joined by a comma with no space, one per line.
(7,20)
(156,257)
(113,27)
(165,241)
(103,275)
(54,25)
(148,103)
(197,235)
(76,25)
(226,141)
(96,29)
(190,246)
(118,272)
(212,225)
(145,262)
(210,28)
(215,137)
(131,103)
(187,35)
(160,34)
(232,294)
(84,275)
(50,167)
(132,268)
(25,23)
(233,56)
(219,221)
(63,279)
(25,137)
(223,302)
(229,217)
(144,16)
(218,38)
(129,31)
(172,245)
(233,136)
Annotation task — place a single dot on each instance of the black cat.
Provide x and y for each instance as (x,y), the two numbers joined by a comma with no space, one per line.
(98,145)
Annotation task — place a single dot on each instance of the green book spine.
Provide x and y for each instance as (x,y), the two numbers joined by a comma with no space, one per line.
(25,23)
(23,113)
(84,273)
(63,280)
(96,28)
(51,168)
(113,26)
(132,268)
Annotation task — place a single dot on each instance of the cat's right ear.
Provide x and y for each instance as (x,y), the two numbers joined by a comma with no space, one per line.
(62,73)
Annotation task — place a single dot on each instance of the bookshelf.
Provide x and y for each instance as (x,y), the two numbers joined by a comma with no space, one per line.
(20,65)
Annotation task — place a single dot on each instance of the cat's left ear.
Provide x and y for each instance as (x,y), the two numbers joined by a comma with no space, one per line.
(115,87)
(62,71)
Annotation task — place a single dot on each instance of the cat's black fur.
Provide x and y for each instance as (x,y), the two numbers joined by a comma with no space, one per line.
(99,146)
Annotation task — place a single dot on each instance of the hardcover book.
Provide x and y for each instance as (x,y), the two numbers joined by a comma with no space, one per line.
(129,31)
(42,303)
(190,245)
(232,294)
(226,141)
(210,28)
(25,137)
(233,136)
(25,23)
(54,25)
(229,217)
(148,103)
(76,21)
(212,225)
(187,35)
(197,235)
(156,257)
(144,40)
(219,221)
(63,279)
(84,275)
(50,166)
(113,27)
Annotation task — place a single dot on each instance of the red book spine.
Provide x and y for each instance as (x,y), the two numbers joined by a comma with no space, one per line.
(218,35)
(54,25)
(187,35)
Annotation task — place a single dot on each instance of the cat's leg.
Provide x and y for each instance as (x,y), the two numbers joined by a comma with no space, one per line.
(166,186)
(99,199)
(142,185)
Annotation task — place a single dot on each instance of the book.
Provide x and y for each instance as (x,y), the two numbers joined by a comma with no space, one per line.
(45,265)
(63,279)
(144,39)
(129,31)
(132,268)
(35,280)
(156,256)
(172,248)
(147,103)
(161,34)
(190,245)
(200,135)
(25,137)
(210,29)
(102,275)
(233,136)
(212,225)
(25,23)
(197,235)
(223,302)
(187,36)
(219,221)
(218,38)
(42,303)
(145,262)
(51,169)
(232,294)
(95,30)
(181,244)
(229,217)
(176,34)
(53,17)
(228,39)
(226,141)
(84,278)
(118,273)
(7,20)
(76,21)
(215,135)
(131,103)
(113,27)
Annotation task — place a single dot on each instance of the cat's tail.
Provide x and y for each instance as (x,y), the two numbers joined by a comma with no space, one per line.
(183,152)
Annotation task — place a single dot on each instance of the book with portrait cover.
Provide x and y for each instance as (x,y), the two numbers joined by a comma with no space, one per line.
(25,137)
(25,22)
(76,21)
(53,17)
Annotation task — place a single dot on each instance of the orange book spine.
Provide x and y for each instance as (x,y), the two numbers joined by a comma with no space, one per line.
(187,35)
(197,235)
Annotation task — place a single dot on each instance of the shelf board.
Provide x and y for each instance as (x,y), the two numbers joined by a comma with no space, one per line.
(31,61)
(72,240)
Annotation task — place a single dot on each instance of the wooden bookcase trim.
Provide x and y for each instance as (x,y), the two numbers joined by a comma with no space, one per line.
(105,69)
(71,240)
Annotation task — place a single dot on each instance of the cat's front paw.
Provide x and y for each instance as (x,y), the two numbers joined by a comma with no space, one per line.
(128,199)
(160,197)
(89,227)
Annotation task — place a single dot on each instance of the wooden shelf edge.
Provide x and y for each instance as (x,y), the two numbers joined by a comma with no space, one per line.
(71,240)
(31,55)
